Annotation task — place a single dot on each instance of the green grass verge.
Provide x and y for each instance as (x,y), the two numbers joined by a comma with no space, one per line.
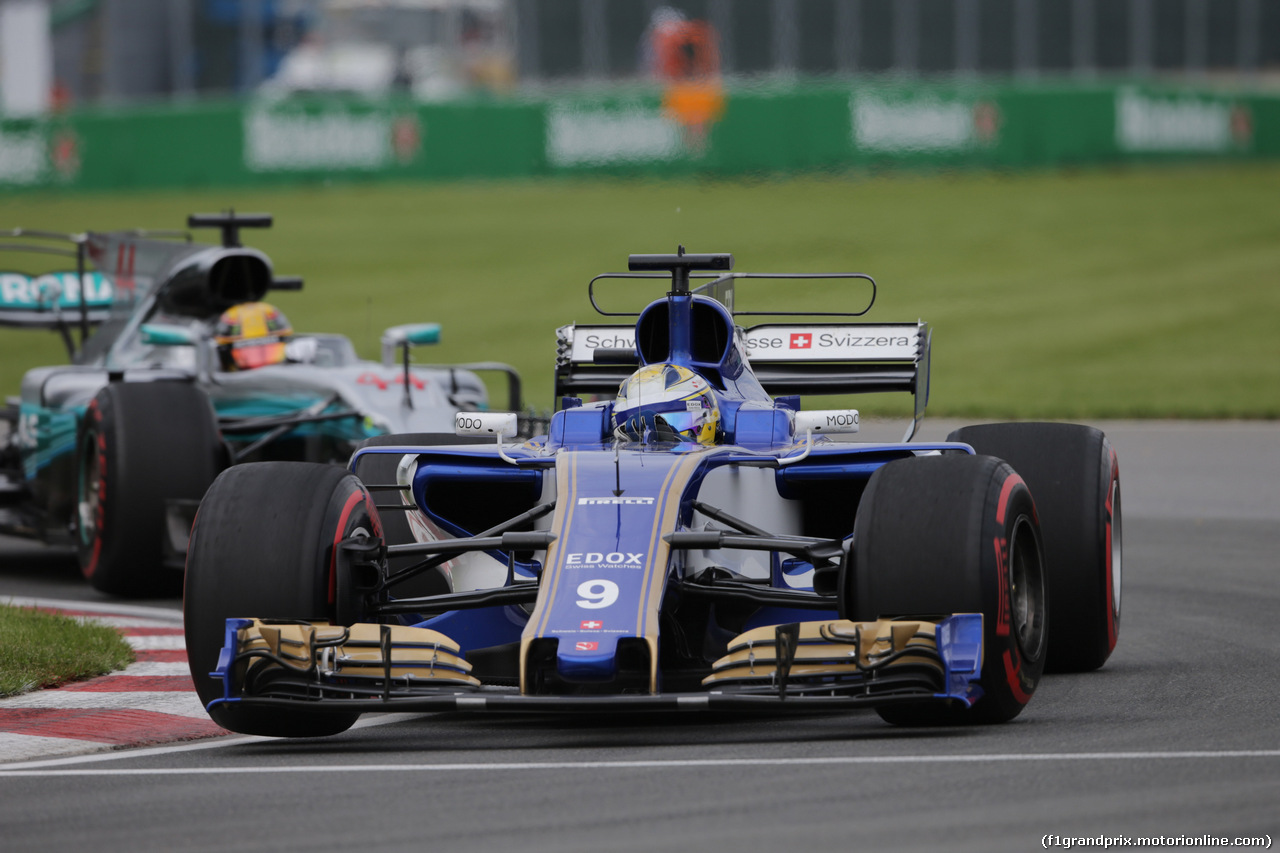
(1144,292)
(41,649)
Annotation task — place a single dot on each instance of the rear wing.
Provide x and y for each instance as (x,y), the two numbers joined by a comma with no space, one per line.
(808,356)
(787,358)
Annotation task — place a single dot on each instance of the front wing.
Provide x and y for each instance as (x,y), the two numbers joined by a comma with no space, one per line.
(808,666)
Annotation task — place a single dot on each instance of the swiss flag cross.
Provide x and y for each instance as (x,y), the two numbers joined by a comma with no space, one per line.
(801,340)
(587,647)
(591,625)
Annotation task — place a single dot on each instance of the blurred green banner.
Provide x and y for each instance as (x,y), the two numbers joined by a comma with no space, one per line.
(785,129)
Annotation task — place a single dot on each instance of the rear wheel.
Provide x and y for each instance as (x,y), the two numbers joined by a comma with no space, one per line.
(954,534)
(263,546)
(1073,472)
(142,443)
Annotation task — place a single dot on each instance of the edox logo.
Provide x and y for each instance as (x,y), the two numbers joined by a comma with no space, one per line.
(599,559)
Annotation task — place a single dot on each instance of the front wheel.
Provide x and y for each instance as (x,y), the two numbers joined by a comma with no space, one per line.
(939,535)
(263,546)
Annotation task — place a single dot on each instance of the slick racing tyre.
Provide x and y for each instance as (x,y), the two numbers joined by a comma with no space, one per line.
(140,444)
(379,469)
(954,534)
(263,547)
(1073,473)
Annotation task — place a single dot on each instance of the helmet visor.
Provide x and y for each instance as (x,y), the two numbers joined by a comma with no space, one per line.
(248,355)
(678,425)
(686,423)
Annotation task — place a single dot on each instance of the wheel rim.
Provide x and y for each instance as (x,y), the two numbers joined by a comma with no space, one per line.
(1116,549)
(1026,581)
(90,489)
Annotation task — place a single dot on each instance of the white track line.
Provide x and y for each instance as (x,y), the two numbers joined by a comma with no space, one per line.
(19,770)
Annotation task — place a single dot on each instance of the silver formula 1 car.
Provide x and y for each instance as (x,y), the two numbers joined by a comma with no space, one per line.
(696,540)
(113,452)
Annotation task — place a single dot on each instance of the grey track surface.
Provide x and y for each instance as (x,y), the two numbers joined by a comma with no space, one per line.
(1178,734)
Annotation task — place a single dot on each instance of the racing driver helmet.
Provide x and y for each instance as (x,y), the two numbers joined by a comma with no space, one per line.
(666,402)
(251,335)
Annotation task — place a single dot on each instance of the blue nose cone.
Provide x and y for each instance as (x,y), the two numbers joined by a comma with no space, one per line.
(587,658)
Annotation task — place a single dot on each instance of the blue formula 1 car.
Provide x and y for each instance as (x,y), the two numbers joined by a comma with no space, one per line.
(168,384)
(697,540)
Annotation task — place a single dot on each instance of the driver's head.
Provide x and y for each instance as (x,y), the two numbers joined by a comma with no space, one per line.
(666,402)
(251,335)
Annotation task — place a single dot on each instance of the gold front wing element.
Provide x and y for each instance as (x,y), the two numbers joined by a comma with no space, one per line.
(830,649)
(360,651)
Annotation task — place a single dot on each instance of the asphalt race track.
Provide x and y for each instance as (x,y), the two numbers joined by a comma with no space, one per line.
(1178,735)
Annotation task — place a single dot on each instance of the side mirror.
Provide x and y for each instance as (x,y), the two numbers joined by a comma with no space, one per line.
(166,335)
(409,335)
(821,421)
(500,424)
(824,421)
